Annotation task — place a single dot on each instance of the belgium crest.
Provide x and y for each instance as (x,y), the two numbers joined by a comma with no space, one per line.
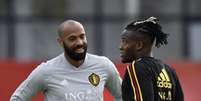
(94,79)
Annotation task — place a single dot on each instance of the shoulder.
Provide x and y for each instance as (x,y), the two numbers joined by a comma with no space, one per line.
(98,59)
(102,61)
(46,66)
(40,69)
(141,66)
(55,61)
(170,69)
(147,62)
(139,63)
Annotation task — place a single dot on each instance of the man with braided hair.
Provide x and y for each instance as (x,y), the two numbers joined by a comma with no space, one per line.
(147,78)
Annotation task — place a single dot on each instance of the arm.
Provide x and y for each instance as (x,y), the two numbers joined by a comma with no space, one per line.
(179,93)
(29,87)
(113,83)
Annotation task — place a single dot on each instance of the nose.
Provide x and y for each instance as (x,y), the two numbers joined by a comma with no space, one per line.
(120,46)
(79,42)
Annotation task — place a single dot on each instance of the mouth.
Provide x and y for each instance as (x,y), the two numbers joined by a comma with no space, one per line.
(122,56)
(121,53)
(79,50)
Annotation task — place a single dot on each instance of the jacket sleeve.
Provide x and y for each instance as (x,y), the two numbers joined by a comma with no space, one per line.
(179,92)
(141,82)
(114,81)
(29,87)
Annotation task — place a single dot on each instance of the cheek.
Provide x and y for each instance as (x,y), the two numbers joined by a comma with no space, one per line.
(68,44)
(85,41)
(124,46)
(131,50)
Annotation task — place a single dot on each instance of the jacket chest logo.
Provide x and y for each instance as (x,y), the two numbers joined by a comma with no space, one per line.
(94,79)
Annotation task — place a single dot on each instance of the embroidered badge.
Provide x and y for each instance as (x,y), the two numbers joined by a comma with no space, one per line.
(94,79)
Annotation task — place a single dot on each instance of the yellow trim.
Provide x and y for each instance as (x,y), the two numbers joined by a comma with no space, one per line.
(166,75)
(131,82)
(159,78)
(137,80)
(162,76)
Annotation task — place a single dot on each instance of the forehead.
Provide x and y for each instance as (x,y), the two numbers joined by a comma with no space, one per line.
(128,34)
(73,31)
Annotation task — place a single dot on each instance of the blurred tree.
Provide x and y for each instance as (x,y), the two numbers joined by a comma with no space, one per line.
(52,8)
(3,7)
(160,7)
(194,7)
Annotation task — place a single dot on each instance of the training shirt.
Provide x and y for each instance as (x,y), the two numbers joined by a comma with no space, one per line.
(61,81)
(149,79)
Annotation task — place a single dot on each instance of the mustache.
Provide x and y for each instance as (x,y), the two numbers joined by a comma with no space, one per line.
(80,46)
(72,54)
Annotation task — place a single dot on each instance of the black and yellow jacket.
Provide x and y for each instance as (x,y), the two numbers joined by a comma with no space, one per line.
(149,79)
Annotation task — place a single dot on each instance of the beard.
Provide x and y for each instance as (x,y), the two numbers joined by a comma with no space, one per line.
(126,60)
(129,56)
(73,55)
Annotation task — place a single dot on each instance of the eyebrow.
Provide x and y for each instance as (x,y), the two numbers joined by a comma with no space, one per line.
(71,34)
(125,37)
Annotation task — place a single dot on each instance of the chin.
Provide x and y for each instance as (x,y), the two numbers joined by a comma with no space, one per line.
(126,60)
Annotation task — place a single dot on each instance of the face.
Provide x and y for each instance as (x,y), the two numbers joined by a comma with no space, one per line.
(128,51)
(75,45)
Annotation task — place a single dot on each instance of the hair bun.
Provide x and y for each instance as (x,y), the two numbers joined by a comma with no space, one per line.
(152,19)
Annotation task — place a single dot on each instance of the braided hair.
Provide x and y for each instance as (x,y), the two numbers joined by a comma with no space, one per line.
(151,28)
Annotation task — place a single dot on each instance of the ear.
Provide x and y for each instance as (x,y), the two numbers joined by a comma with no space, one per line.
(60,41)
(139,45)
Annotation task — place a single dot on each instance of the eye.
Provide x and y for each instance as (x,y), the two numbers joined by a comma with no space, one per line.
(72,38)
(82,36)
(123,40)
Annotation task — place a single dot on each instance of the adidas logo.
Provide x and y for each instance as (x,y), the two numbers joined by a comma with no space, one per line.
(164,80)
(64,82)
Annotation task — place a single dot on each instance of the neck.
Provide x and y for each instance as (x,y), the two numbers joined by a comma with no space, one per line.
(75,63)
(148,54)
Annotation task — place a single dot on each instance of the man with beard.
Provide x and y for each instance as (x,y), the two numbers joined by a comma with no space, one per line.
(147,78)
(74,75)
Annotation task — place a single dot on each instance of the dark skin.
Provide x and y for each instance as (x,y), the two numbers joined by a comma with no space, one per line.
(73,36)
(134,45)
